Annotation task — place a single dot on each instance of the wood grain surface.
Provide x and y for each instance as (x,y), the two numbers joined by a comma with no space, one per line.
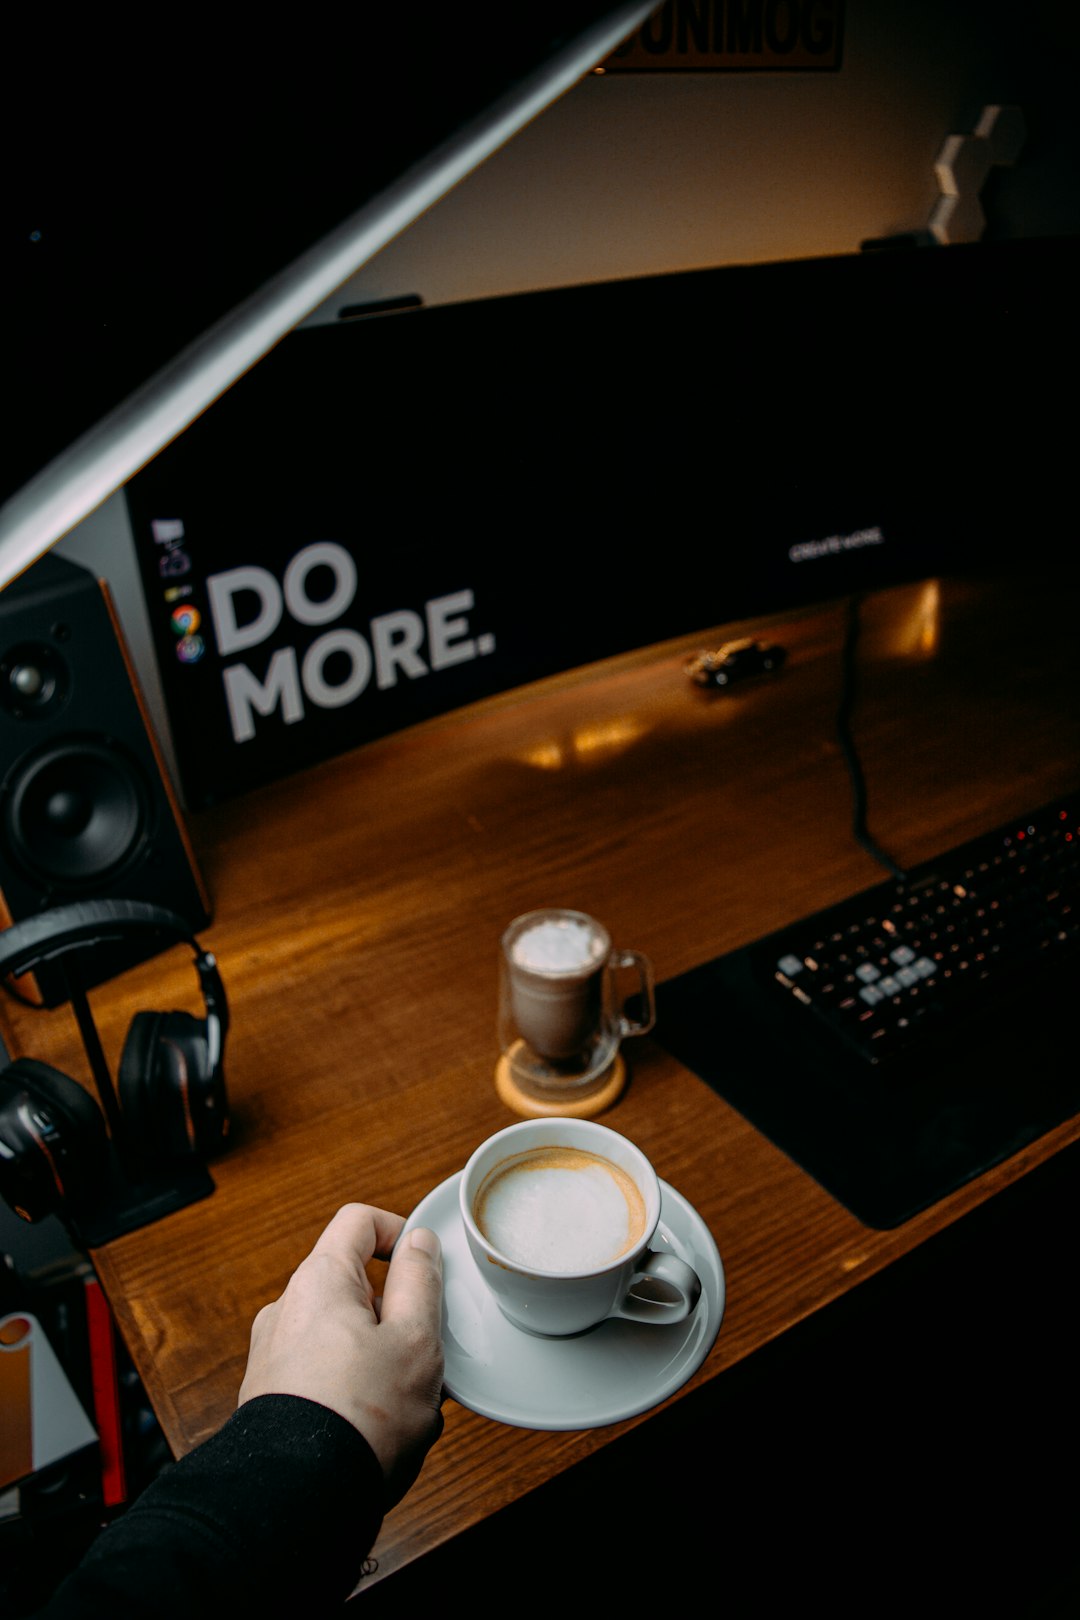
(357,912)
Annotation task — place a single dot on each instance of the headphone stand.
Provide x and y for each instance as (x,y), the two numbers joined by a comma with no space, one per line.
(130,1196)
(125,1203)
(95,1053)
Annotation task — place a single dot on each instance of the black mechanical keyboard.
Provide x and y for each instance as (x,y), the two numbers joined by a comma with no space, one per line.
(899,962)
(903,1041)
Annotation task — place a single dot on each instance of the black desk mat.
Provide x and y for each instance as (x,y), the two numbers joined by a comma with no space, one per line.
(886,1140)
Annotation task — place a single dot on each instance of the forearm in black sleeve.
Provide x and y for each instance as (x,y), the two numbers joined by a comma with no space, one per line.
(281,1507)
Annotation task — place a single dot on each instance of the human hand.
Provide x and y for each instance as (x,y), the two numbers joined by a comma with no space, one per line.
(377,1364)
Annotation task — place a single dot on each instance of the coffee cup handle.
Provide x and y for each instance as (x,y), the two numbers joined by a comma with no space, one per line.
(634,959)
(662,1289)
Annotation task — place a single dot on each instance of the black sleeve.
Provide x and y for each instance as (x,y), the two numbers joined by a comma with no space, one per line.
(279,1508)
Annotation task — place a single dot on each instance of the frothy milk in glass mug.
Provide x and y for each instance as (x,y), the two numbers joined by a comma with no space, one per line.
(561,1016)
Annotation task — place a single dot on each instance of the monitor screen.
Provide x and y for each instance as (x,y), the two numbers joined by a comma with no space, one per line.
(399,514)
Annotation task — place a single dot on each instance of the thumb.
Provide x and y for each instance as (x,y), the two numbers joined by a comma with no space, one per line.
(412,1289)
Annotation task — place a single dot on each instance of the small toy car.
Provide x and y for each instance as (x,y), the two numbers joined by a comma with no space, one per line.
(734,661)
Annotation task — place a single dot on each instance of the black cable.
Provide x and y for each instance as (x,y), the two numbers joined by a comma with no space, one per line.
(847,744)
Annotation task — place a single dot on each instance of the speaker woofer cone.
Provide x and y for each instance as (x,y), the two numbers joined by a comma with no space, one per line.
(76,812)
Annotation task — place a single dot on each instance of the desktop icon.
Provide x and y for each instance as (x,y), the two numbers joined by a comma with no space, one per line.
(189,649)
(174,562)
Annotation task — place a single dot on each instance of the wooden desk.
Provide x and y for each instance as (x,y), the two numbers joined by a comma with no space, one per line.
(357,913)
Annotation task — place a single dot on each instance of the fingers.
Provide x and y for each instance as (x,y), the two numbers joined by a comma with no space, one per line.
(358,1233)
(355,1234)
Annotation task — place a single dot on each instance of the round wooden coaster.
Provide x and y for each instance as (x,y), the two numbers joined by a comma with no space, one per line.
(530,1107)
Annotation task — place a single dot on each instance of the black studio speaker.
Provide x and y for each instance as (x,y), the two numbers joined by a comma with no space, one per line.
(87,811)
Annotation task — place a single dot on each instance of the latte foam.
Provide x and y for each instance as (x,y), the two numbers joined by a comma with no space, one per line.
(558,945)
(560,1209)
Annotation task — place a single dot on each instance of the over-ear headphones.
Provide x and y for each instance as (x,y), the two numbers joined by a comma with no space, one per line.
(169,1106)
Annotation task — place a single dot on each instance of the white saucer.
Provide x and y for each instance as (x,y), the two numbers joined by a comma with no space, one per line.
(619,1369)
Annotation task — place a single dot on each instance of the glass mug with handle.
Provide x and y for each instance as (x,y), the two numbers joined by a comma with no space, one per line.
(562,1010)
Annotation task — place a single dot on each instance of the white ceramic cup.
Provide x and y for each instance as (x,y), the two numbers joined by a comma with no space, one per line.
(580,1286)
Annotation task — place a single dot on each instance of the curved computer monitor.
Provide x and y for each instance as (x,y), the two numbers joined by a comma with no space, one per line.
(394,516)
